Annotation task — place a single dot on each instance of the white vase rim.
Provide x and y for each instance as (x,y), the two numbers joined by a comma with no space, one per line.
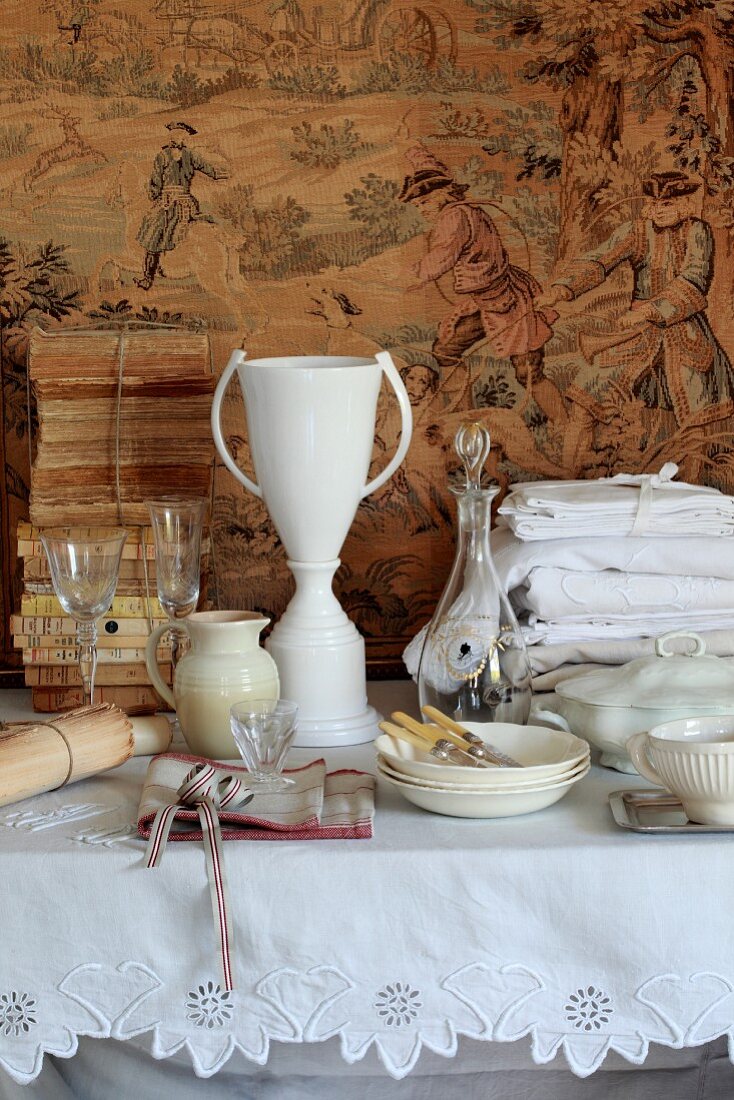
(311,362)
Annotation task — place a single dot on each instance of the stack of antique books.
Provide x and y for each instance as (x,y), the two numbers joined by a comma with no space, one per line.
(47,636)
(123,417)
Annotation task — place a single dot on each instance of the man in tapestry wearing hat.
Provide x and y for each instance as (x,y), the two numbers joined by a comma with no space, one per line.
(166,224)
(664,350)
(496,298)
(79,15)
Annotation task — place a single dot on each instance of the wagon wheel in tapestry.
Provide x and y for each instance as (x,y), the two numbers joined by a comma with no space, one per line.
(281,57)
(426,33)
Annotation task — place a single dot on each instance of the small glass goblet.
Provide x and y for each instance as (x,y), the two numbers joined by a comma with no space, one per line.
(263,730)
(84,572)
(177,525)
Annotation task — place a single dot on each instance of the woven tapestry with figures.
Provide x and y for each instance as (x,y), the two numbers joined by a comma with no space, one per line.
(530,203)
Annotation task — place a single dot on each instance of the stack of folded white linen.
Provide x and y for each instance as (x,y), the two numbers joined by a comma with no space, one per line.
(598,569)
(628,504)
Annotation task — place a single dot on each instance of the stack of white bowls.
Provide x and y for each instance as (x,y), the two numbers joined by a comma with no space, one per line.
(552,762)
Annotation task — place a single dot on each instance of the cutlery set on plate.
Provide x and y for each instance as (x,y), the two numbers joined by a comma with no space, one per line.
(478,769)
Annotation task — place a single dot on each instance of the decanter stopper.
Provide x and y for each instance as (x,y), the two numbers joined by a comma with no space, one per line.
(472,444)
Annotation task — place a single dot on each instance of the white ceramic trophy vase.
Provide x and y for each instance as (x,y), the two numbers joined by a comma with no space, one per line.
(311,423)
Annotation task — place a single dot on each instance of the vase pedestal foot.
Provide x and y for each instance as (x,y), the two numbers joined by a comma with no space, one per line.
(321,663)
(330,733)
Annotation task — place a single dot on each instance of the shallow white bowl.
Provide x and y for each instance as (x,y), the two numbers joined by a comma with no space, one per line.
(443,785)
(543,752)
(483,804)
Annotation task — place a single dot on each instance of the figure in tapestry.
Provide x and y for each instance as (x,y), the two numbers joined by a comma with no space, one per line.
(664,351)
(497,298)
(174,208)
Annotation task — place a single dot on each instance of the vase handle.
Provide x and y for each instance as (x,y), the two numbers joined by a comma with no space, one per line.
(236,359)
(406,422)
(151,663)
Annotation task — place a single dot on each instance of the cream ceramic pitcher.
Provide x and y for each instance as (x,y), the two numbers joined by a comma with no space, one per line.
(226,663)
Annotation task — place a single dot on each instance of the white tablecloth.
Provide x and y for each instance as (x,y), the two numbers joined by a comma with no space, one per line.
(558,927)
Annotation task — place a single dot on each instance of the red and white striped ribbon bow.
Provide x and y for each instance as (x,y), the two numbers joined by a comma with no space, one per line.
(208,790)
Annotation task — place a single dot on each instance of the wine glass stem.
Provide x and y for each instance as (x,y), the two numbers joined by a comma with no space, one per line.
(179,639)
(86,636)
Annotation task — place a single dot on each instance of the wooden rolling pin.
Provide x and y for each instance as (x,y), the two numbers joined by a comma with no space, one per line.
(40,756)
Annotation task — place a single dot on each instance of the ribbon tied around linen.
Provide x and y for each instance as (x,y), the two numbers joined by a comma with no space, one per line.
(206,790)
(646,483)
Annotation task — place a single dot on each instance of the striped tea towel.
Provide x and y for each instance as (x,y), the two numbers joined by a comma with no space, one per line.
(320,806)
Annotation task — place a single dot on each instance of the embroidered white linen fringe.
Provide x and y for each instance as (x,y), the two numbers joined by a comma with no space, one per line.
(560,927)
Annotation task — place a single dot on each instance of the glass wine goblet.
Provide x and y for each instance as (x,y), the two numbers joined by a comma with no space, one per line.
(177,526)
(84,571)
(263,731)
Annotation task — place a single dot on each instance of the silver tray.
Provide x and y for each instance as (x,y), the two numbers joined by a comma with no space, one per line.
(652,810)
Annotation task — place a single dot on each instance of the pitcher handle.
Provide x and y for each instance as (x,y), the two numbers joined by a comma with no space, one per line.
(151,663)
(236,359)
(406,422)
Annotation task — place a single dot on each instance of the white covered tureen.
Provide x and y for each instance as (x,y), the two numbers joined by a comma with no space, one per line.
(609,705)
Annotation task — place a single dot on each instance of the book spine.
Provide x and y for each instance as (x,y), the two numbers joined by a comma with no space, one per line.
(133,700)
(55,457)
(107,675)
(100,504)
(97,356)
(132,552)
(99,411)
(68,641)
(32,548)
(123,607)
(177,389)
(37,569)
(122,588)
(63,624)
(79,483)
(69,655)
(26,530)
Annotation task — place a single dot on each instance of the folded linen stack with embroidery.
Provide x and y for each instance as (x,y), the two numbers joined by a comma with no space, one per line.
(320,805)
(628,504)
(598,569)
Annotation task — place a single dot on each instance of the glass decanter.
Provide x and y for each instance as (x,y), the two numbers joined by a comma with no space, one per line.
(474,665)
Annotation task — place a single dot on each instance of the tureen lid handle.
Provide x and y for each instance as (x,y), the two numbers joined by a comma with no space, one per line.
(661,644)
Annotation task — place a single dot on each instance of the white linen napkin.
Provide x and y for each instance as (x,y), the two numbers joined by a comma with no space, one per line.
(620,627)
(612,651)
(628,504)
(554,593)
(546,658)
(698,557)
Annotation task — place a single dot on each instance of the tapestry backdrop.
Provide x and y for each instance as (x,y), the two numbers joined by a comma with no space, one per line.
(529,202)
